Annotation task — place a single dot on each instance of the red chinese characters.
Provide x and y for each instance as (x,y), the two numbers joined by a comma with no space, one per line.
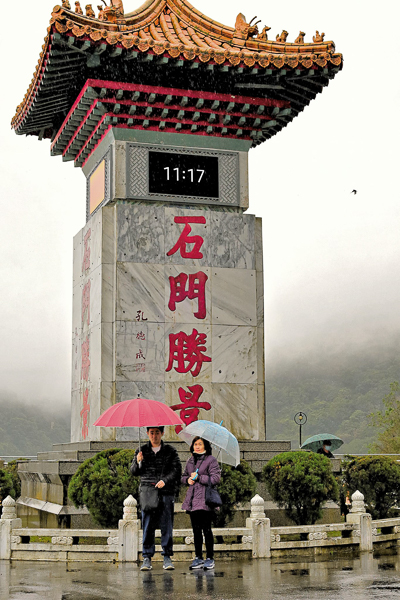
(85,348)
(86,251)
(85,413)
(189,286)
(86,302)
(188,352)
(190,405)
(185,239)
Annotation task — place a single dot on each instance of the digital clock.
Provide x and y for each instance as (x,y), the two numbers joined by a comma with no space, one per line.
(183,174)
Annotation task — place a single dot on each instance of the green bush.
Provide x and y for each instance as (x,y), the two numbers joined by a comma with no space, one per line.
(300,482)
(6,485)
(237,485)
(12,469)
(102,483)
(378,479)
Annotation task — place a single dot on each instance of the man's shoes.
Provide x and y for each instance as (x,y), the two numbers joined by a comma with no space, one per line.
(208,564)
(168,566)
(146,565)
(198,563)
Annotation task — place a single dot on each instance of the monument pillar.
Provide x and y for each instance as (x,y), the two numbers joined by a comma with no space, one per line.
(168,285)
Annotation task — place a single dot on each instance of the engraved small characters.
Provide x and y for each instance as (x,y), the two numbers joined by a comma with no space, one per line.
(78,9)
(318,38)
(140,316)
(300,38)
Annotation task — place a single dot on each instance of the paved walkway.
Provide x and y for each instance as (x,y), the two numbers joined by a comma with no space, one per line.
(345,579)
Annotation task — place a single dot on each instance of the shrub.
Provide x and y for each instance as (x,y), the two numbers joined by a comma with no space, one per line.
(300,482)
(378,479)
(6,485)
(237,485)
(102,483)
(12,469)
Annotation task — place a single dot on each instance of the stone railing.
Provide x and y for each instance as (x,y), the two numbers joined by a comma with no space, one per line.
(257,539)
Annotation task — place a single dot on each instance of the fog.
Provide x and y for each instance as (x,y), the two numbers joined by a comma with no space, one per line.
(330,257)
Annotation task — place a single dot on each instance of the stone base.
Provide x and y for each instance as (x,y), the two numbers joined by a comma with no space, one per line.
(44,498)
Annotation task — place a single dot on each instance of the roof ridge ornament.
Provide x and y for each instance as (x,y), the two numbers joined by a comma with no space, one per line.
(244,30)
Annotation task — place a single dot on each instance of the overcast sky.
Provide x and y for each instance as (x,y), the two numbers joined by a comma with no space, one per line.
(331,257)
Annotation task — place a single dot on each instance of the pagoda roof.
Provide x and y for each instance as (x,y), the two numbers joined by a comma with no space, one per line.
(169,43)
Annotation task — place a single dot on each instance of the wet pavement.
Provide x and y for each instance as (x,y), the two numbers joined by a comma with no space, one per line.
(364,578)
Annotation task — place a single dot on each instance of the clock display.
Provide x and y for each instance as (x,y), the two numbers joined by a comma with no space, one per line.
(183,174)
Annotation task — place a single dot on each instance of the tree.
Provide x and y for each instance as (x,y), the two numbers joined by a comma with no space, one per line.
(300,482)
(237,485)
(6,485)
(102,483)
(12,469)
(389,439)
(378,479)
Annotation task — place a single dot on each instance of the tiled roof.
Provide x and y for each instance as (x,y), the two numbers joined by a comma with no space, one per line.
(168,33)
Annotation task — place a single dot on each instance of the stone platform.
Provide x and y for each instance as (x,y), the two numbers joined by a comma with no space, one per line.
(44,498)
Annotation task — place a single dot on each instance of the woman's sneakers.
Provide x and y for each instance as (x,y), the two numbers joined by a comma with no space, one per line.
(198,563)
(208,564)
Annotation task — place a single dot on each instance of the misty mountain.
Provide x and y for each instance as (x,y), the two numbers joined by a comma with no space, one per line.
(336,389)
(26,429)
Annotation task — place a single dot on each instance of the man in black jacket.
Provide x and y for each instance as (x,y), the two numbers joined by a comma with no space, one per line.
(159,466)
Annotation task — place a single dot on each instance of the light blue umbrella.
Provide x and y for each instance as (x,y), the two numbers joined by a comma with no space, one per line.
(218,436)
(315,442)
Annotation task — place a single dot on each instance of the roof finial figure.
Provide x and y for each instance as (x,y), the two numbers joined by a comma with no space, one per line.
(78,9)
(300,38)
(66,4)
(101,16)
(317,38)
(89,11)
(282,37)
(244,30)
(263,36)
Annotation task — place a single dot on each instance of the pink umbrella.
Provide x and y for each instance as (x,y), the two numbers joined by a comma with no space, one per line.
(138,412)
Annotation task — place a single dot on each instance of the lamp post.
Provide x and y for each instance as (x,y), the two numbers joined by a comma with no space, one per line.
(300,419)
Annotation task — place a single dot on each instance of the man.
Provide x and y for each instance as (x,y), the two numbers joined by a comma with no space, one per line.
(326,449)
(159,466)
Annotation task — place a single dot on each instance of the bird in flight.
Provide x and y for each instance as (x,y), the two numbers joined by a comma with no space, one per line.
(354,192)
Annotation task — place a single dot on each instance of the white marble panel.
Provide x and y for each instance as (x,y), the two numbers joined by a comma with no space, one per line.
(173,233)
(76,362)
(77,260)
(262,410)
(260,355)
(95,224)
(234,297)
(140,292)
(95,353)
(107,352)
(95,279)
(75,416)
(259,244)
(139,352)
(140,233)
(234,353)
(106,396)
(141,389)
(77,309)
(233,240)
(172,398)
(108,309)
(109,214)
(199,347)
(185,310)
(237,406)
(260,298)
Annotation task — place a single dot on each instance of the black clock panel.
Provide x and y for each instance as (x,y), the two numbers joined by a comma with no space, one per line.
(183,174)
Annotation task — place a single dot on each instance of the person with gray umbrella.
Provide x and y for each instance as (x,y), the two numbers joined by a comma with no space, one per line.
(201,470)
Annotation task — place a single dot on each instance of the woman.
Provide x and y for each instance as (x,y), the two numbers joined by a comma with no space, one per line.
(200,468)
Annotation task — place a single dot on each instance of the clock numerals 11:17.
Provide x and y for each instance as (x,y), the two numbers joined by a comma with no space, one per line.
(191,171)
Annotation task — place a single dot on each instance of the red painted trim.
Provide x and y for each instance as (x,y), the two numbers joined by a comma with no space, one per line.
(98,143)
(132,87)
(75,104)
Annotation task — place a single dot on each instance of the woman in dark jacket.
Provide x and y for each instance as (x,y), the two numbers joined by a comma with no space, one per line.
(201,468)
